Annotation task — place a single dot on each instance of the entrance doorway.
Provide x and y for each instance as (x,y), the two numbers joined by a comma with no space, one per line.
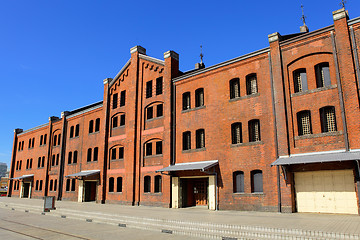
(26,189)
(194,192)
(90,191)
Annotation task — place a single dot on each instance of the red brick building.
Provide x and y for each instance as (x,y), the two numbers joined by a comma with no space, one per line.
(273,130)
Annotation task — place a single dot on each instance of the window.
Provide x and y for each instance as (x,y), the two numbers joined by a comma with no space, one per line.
(256,181)
(158,147)
(89,155)
(40,185)
(39,162)
(20,164)
(42,161)
(37,185)
(45,138)
(159,110)
(55,140)
(122,98)
(304,123)
(115,122)
(148,149)
(31,160)
(147,184)
(157,184)
(159,85)
(113,154)
(149,113)
(96,153)
(73,185)
(91,126)
(29,143)
(236,133)
(254,130)
(69,157)
(59,137)
(200,138)
(51,185)
(115,101)
(71,131)
(322,75)
(186,140)
(75,156)
(67,185)
(119,184)
(199,97)
(97,125)
(251,84)
(186,100)
(77,130)
(122,120)
(27,163)
(41,139)
(121,152)
(55,184)
(111,184)
(300,80)
(57,159)
(33,143)
(328,119)
(53,160)
(149,89)
(238,182)
(234,88)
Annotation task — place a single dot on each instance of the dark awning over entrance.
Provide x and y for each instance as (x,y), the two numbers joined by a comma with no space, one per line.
(86,173)
(318,158)
(23,177)
(190,166)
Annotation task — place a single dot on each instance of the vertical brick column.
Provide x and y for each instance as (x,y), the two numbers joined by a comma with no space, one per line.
(13,160)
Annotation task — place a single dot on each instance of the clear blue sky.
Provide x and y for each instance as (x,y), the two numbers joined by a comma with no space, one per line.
(55,54)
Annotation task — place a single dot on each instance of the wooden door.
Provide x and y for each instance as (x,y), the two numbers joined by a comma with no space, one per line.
(200,191)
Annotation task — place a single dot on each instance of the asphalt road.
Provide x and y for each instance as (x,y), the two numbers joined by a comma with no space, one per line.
(15,225)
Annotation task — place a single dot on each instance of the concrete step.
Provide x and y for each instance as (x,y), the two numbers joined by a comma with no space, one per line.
(186,228)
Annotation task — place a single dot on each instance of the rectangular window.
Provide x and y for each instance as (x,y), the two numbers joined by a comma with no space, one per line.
(122,98)
(122,120)
(96,153)
(91,126)
(159,86)
(200,138)
(328,119)
(45,138)
(41,139)
(149,113)
(254,130)
(234,88)
(115,100)
(159,110)
(77,130)
(121,152)
(322,75)
(71,131)
(115,122)
(59,138)
(300,80)
(304,123)
(186,140)
(199,97)
(149,89)
(89,152)
(236,133)
(158,147)
(186,100)
(238,182)
(113,154)
(251,84)
(73,185)
(148,147)
(97,125)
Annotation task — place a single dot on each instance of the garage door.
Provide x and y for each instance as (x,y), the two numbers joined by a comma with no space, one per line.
(326,192)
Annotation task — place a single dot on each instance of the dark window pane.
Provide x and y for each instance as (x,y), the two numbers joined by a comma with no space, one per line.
(149,89)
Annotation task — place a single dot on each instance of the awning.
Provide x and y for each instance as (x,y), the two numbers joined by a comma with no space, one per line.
(318,158)
(86,173)
(190,166)
(23,177)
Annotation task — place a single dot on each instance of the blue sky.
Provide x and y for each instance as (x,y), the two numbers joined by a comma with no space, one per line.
(55,54)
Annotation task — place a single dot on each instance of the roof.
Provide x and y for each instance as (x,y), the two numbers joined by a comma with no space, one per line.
(190,166)
(86,173)
(318,158)
(23,177)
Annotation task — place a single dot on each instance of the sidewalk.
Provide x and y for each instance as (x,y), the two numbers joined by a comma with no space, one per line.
(327,223)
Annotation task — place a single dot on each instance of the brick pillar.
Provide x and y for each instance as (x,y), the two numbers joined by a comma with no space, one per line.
(13,160)
(62,154)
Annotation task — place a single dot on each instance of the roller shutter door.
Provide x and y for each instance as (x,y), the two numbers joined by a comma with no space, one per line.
(326,192)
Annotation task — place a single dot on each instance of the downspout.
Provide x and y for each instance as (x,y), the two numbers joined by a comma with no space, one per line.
(62,151)
(141,149)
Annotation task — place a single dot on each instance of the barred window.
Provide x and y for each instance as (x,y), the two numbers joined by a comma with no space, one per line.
(149,89)
(186,100)
(236,133)
(254,130)
(200,138)
(186,140)
(300,80)
(238,182)
(304,122)
(159,85)
(251,84)
(322,75)
(328,119)
(199,97)
(234,88)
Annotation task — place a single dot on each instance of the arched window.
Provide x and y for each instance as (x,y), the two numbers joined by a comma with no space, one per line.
(71,131)
(256,181)
(200,138)
(300,80)
(91,126)
(186,100)
(251,84)
(186,140)
(75,156)
(236,133)
(238,182)
(41,139)
(147,184)
(322,75)
(157,187)
(77,130)
(119,184)
(304,122)
(328,119)
(111,184)
(45,138)
(97,125)
(55,140)
(96,151)
(89,155)
(199,97)
(234,88)
(69,157)
(254,130)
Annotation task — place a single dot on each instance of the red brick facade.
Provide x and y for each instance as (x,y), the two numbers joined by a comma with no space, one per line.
(246,113)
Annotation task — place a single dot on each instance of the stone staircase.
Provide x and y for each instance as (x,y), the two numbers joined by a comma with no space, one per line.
(186,228)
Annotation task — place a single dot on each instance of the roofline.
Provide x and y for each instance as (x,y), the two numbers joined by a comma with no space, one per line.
(85,109)
(219,65)
(120,72)
(353,21)
(33,129)
(151,59)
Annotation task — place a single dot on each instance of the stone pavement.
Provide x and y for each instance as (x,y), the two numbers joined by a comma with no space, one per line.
(200,222)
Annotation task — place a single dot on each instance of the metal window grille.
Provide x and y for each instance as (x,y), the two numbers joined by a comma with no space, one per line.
(251,84)
(297,82)
(305,124)
(254,131)
(199,97)
(234,88)
(236,133)
(330,120)
(200,138)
